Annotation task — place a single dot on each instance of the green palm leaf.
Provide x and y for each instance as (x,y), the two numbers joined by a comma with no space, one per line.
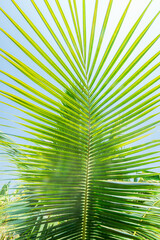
(84,122)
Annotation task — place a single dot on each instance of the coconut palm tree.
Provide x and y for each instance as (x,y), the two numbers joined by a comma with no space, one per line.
(84,112)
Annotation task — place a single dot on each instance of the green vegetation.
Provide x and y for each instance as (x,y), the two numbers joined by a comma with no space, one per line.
(5,201)
(83,169)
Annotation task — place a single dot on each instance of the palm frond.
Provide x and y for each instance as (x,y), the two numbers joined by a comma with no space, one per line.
(86,124)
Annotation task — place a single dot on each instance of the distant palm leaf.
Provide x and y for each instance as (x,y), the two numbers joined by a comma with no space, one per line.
(85,117)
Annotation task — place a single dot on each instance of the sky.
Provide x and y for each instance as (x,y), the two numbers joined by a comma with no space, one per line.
(135,9)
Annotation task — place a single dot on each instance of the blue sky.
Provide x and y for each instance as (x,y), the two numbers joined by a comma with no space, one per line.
(136,7)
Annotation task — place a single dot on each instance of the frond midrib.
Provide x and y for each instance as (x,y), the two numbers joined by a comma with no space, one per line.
(88,171)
